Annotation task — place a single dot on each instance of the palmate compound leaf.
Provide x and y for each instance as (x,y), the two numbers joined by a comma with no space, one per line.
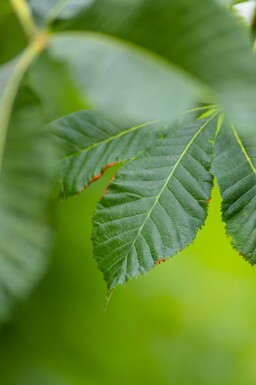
(234,166)
(90,144)
(157,203)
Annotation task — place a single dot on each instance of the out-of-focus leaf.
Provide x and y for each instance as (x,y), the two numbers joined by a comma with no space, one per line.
(199,36)
(5,8)
(11,77)
(157,203)
(234,166)
(246,10)
(12,36)
(26,163)
(230,2)
(59,94)
(121,79)
(58,9)
(90,144)
(6,71)
(24,192)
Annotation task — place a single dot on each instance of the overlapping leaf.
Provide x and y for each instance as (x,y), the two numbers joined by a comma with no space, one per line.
(200,36)
(6,71)
(90,143)
(61,9)
(157,203)
(120,79)
(59,97)
(25,172)
(144,59)
(235,169)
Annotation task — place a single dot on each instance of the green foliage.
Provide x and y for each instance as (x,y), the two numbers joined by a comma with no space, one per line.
(202,39)
(57,100)
(235,169)
(137,65)
(6,71)
(90,144)
(49,10)
(157,203)
(119,79)
(25,188)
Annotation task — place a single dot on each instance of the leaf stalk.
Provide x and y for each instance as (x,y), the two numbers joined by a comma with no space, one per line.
(11,90)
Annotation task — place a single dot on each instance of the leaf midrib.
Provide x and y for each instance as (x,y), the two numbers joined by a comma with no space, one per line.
(56,10)
(11,89)
(171,174)
(105,141)
(243,149)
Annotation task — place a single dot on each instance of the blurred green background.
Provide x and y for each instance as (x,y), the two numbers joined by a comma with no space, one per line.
(191,321)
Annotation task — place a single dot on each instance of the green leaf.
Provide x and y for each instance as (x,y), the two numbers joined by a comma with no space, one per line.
(234,166)
(157,203)
(200,36)
(120,79)
(91,143)
(24,192)
(58,9)
(11,76)
(6,72)
(25,173)
(59,97)
(12,36)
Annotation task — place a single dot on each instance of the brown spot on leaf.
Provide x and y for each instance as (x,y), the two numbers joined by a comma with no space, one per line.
(106,189)
(96,177)
(160,261)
